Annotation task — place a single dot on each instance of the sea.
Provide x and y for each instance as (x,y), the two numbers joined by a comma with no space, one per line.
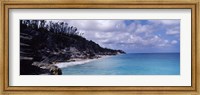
(126,64)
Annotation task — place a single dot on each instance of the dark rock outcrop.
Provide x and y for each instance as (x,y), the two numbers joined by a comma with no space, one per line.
(49,69)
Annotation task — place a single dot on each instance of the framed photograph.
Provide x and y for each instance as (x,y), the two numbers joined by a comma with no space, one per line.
(100,47)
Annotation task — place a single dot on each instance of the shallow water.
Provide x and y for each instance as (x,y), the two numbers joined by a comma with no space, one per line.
(128,64)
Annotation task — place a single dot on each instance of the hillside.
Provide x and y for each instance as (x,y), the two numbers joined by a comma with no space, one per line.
(44,44)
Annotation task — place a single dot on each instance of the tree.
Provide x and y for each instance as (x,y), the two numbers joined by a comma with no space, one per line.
(42,23)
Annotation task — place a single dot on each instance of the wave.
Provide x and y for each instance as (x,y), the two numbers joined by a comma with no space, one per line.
(79,62)
(67,64)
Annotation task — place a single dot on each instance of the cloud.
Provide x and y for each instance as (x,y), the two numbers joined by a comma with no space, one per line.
(100,25)
(174,42)
(172,32)
(165,22)
(172,27)
(170,22)
(144,28)
(138,34)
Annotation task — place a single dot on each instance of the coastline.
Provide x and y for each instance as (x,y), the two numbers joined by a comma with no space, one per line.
(78,61)
(56,67)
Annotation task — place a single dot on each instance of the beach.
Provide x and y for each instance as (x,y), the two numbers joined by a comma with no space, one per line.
(78,62)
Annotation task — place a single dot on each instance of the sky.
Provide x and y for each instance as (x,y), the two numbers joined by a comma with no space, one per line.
(132,36)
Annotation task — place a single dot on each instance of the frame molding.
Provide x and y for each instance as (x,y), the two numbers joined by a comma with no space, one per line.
(5,89)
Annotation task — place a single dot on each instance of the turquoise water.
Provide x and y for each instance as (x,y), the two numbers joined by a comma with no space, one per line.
(130,64)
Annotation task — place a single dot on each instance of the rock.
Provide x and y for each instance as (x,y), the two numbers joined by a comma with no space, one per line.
(55,71)
(48,68)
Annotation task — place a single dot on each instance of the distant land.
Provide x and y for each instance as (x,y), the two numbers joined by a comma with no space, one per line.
(44,44)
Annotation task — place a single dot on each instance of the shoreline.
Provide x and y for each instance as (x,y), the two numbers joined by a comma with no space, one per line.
(78,61)
(56,68)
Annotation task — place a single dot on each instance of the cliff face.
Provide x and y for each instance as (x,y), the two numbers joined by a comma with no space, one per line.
(46,45)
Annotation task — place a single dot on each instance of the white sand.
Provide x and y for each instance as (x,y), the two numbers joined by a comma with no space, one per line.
(81,61)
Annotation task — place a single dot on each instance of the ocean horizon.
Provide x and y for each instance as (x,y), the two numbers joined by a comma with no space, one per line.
(126,64)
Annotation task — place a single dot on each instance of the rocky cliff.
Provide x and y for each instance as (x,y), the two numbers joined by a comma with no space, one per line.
(42,45)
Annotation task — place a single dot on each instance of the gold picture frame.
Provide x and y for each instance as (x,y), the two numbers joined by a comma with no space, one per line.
(98,4)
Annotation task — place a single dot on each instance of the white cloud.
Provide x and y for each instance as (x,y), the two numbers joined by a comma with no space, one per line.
(170,22)
(174,42)
(116,34)
(144,28)
(165,22)
(98,25)
(172,32)
(172,27)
